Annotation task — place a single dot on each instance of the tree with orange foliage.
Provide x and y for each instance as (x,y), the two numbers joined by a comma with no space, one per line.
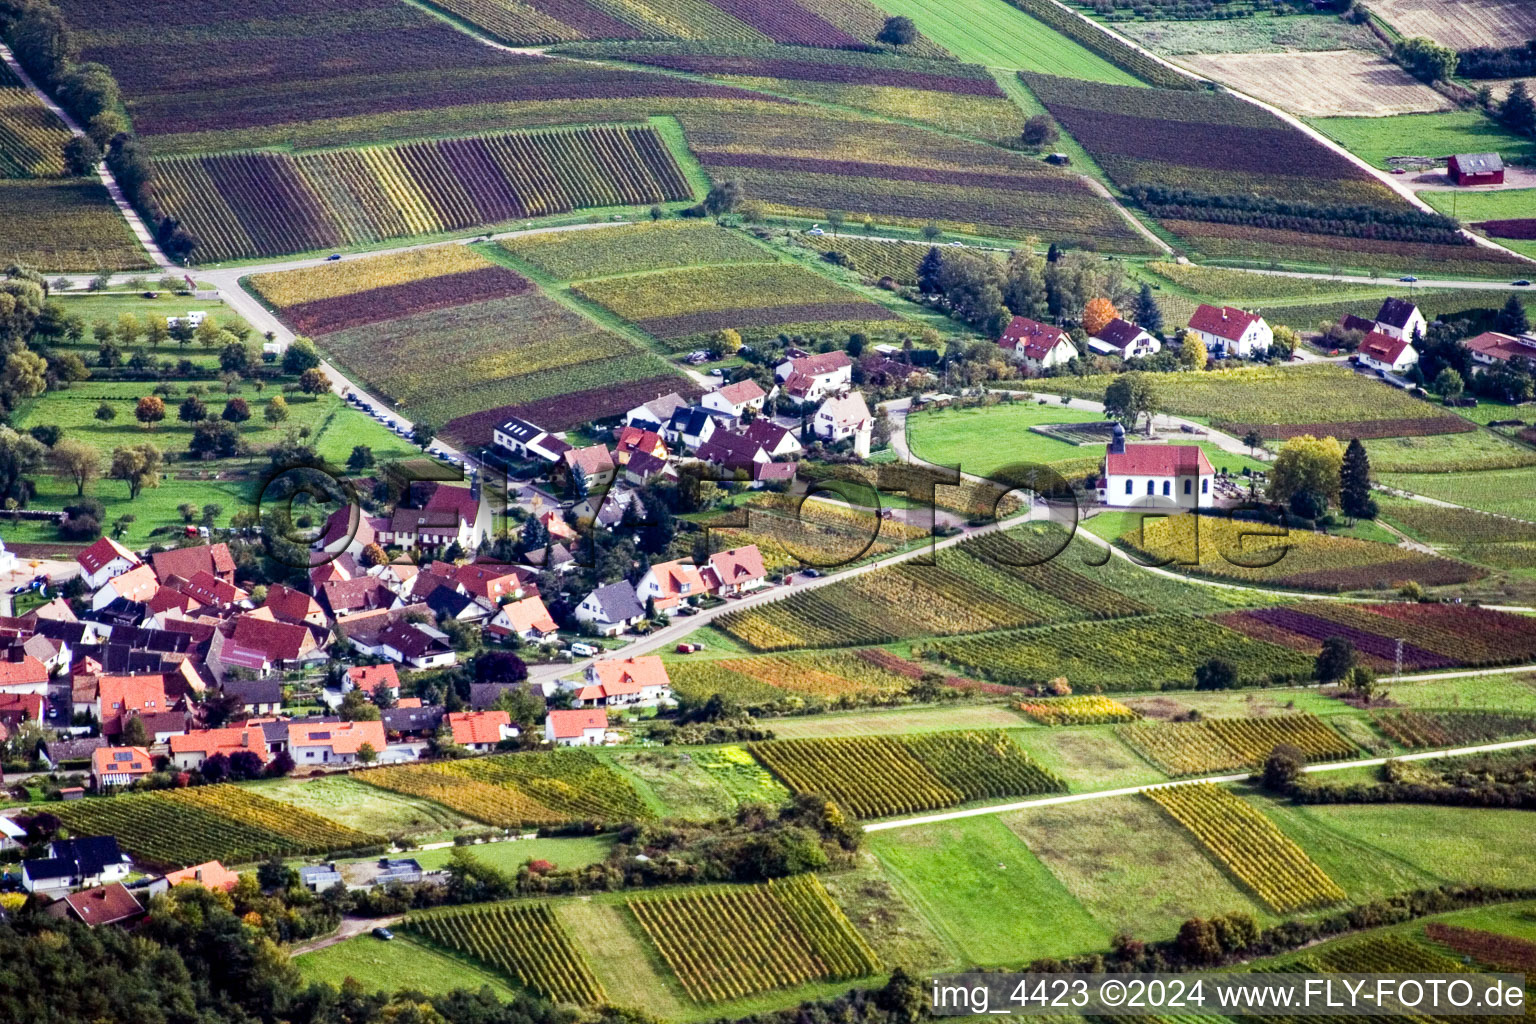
(1097,313)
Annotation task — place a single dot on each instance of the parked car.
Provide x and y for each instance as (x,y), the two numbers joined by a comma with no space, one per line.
(383,934)
(1522,283)
(584,650)
(815,232)
(1408,279)
(337,256)
(686,648)
(811,573)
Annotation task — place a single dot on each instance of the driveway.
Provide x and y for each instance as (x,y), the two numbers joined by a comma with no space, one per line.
(350,928)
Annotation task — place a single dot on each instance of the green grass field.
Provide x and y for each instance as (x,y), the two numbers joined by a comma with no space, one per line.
(403,963)
(575,852)
(982,440)
(985,893)
(365,808)
(1510,492)
(899,721)
(1480,450)
(1471,207)
(1088,757)
(1434,135)
(991,32)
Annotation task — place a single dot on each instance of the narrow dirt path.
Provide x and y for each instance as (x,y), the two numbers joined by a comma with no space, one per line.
(351,927)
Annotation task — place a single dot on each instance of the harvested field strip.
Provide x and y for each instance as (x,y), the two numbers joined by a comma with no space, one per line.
(1434,636)
(1249,845)
(633,248)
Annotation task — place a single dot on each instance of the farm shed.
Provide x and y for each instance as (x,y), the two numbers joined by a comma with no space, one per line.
(1476,169)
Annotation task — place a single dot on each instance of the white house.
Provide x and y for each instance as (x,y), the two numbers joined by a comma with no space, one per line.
(735,399)
(1227,331)
(811,378)
(653,414)
(1492,348)
(1383,352)
(333,742)
(689,426)
(103,560)
(526,618)
(733,572)
(669,584)
(1401,319)
(528,441)
(612,682)
(579,727)
(412,644)
(1035,345)
(480,731)
(137,584)
(611,608)
(88,860)
(1155,475)
(844,416)
(1123,338)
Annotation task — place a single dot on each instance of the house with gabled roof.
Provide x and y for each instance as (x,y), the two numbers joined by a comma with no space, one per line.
(527,619)
(282,643)
(480,730)
(634,441)
(1385,353)
(333,742)
(729,453)
(653,414)
(611,608)
(844,416)
(373,679)
(119,766)
(592,466)
(137,584)
(611,682)
(1492,348)
(494,582)
(416,645)
(736,399)
(812,378)
(732,572)
(777,441)
(289,605)
(21,672)
(529,441)
(188,562)
(83,860)
(577,727)
(190,751)
(104,559)
(668,584)
(100,905)
(1124,339)
(1156,475)
(1035,345)
(1401,320)
(644,467)
(1228,331)
(255,696)
(1467,169)
(690,426)
(209,875)
(118,697)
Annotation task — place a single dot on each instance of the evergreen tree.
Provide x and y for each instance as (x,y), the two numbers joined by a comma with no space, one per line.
(1512,318)
(1146,312)
(929,270)
(1355,483)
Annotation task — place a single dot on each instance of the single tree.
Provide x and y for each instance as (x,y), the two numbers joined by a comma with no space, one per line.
(1283,768)
(360,459)
(1518,111)
(1215,674)
(149,411)
(366,754)
(299,356)
(422,433)
(1192,352)
(1040,130)
(276,411)
(105,412)
(1335,660)
(1512,319)
(1307,463)
(1253,439)
(722,199)
(236,410)
(1129,397)
(211,438)
(1097,314)
(373,555)
(930,272)
(81,155)
(138,466)
(836,219)
(1448,384)
(898,30)
(192,410)
(134,733)
(313,381)
(727,341)
(26,374)
(77,462)
(1147,312)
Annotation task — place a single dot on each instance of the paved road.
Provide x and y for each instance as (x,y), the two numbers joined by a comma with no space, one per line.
(1073,798)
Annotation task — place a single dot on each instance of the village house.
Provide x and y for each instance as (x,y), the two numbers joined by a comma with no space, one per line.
(289,605)
(416,645)
(644,467)
(450,515)
(654,414)
(842,417)
(372,680)
(611,608)
(334,742)
(1492,348)
(100,905)
(579,727)
(227,658)
(736,399)
(22,673)
(634,441)
(590,467)
(527,620)
(480,731)
(119,766)
(213,559)
(668,584)
(1401,320)
(282,644)
(190,751)
(616,682)
(1383,352)
(255,696)
(1155,475)
(733,572)
(1124,339)
(1036,346)
(1228,332)
(363,594)
(104,559)
(121,697)
(210,875)
(494,583)
(812,378)
(729,454)
(690,426)
(777,441)
(137,584)
(82,861)
(527,441)
(412,721)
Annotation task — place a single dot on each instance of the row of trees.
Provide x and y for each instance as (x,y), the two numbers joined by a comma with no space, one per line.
(1059,285)
(1312,473)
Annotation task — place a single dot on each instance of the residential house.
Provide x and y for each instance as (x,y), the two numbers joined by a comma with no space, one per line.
(669,584)
(119,766)
(480,730)
(447,601)
(842,417)
(653,414)
(1492,348)
(1124,339)
(777,441)
(12,835)
(729,454)
(1036,346)
(412,722)
(334,742)
(226,658)
(416,645)
(1385,353)
(101,905)
(282,644)
(1155,475)
(643,467)
(1400,319)
(733,572)
(812,378)
(373,680)
(736,399)
(19,708)
(690,426)
(398,869)
(190,751)
(289,605)
(494,583)
(450,515)
(137,584)
(527,441)
(634,441)
(103,560)
(1227,331)
(120,697)
(613,682)
(214,559)
(21,673)
(70,750)
(209,875)
(579,727)
(255,696)
(527,620)
(589,467)
(362,594)
(611,608)
(82,861)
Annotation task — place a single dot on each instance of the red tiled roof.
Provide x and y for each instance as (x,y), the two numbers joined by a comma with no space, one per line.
(1224,322)
(121,761)
(341,737)
(528,614)
(1382,347)
(638,439)
(187,562)
(221,741)
(100,554)
(279,641)
(25,707)
(459,500)
(1038,339)
(738,565)
(742,392)
(630,675)
(138,584)
(826,362)
(207,588)
(290,605)
(142,694)
(211,875)
(369,678)
(591,460)
(1494,345)
(104,904)
(25,672)
(673,575)
(489,580)
(477,726)
(1158,460)
(570,724)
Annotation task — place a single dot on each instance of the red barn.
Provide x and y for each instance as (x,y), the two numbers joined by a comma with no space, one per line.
(1475,169)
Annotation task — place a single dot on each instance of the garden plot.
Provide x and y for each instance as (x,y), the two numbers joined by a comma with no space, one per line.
(1326,84)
